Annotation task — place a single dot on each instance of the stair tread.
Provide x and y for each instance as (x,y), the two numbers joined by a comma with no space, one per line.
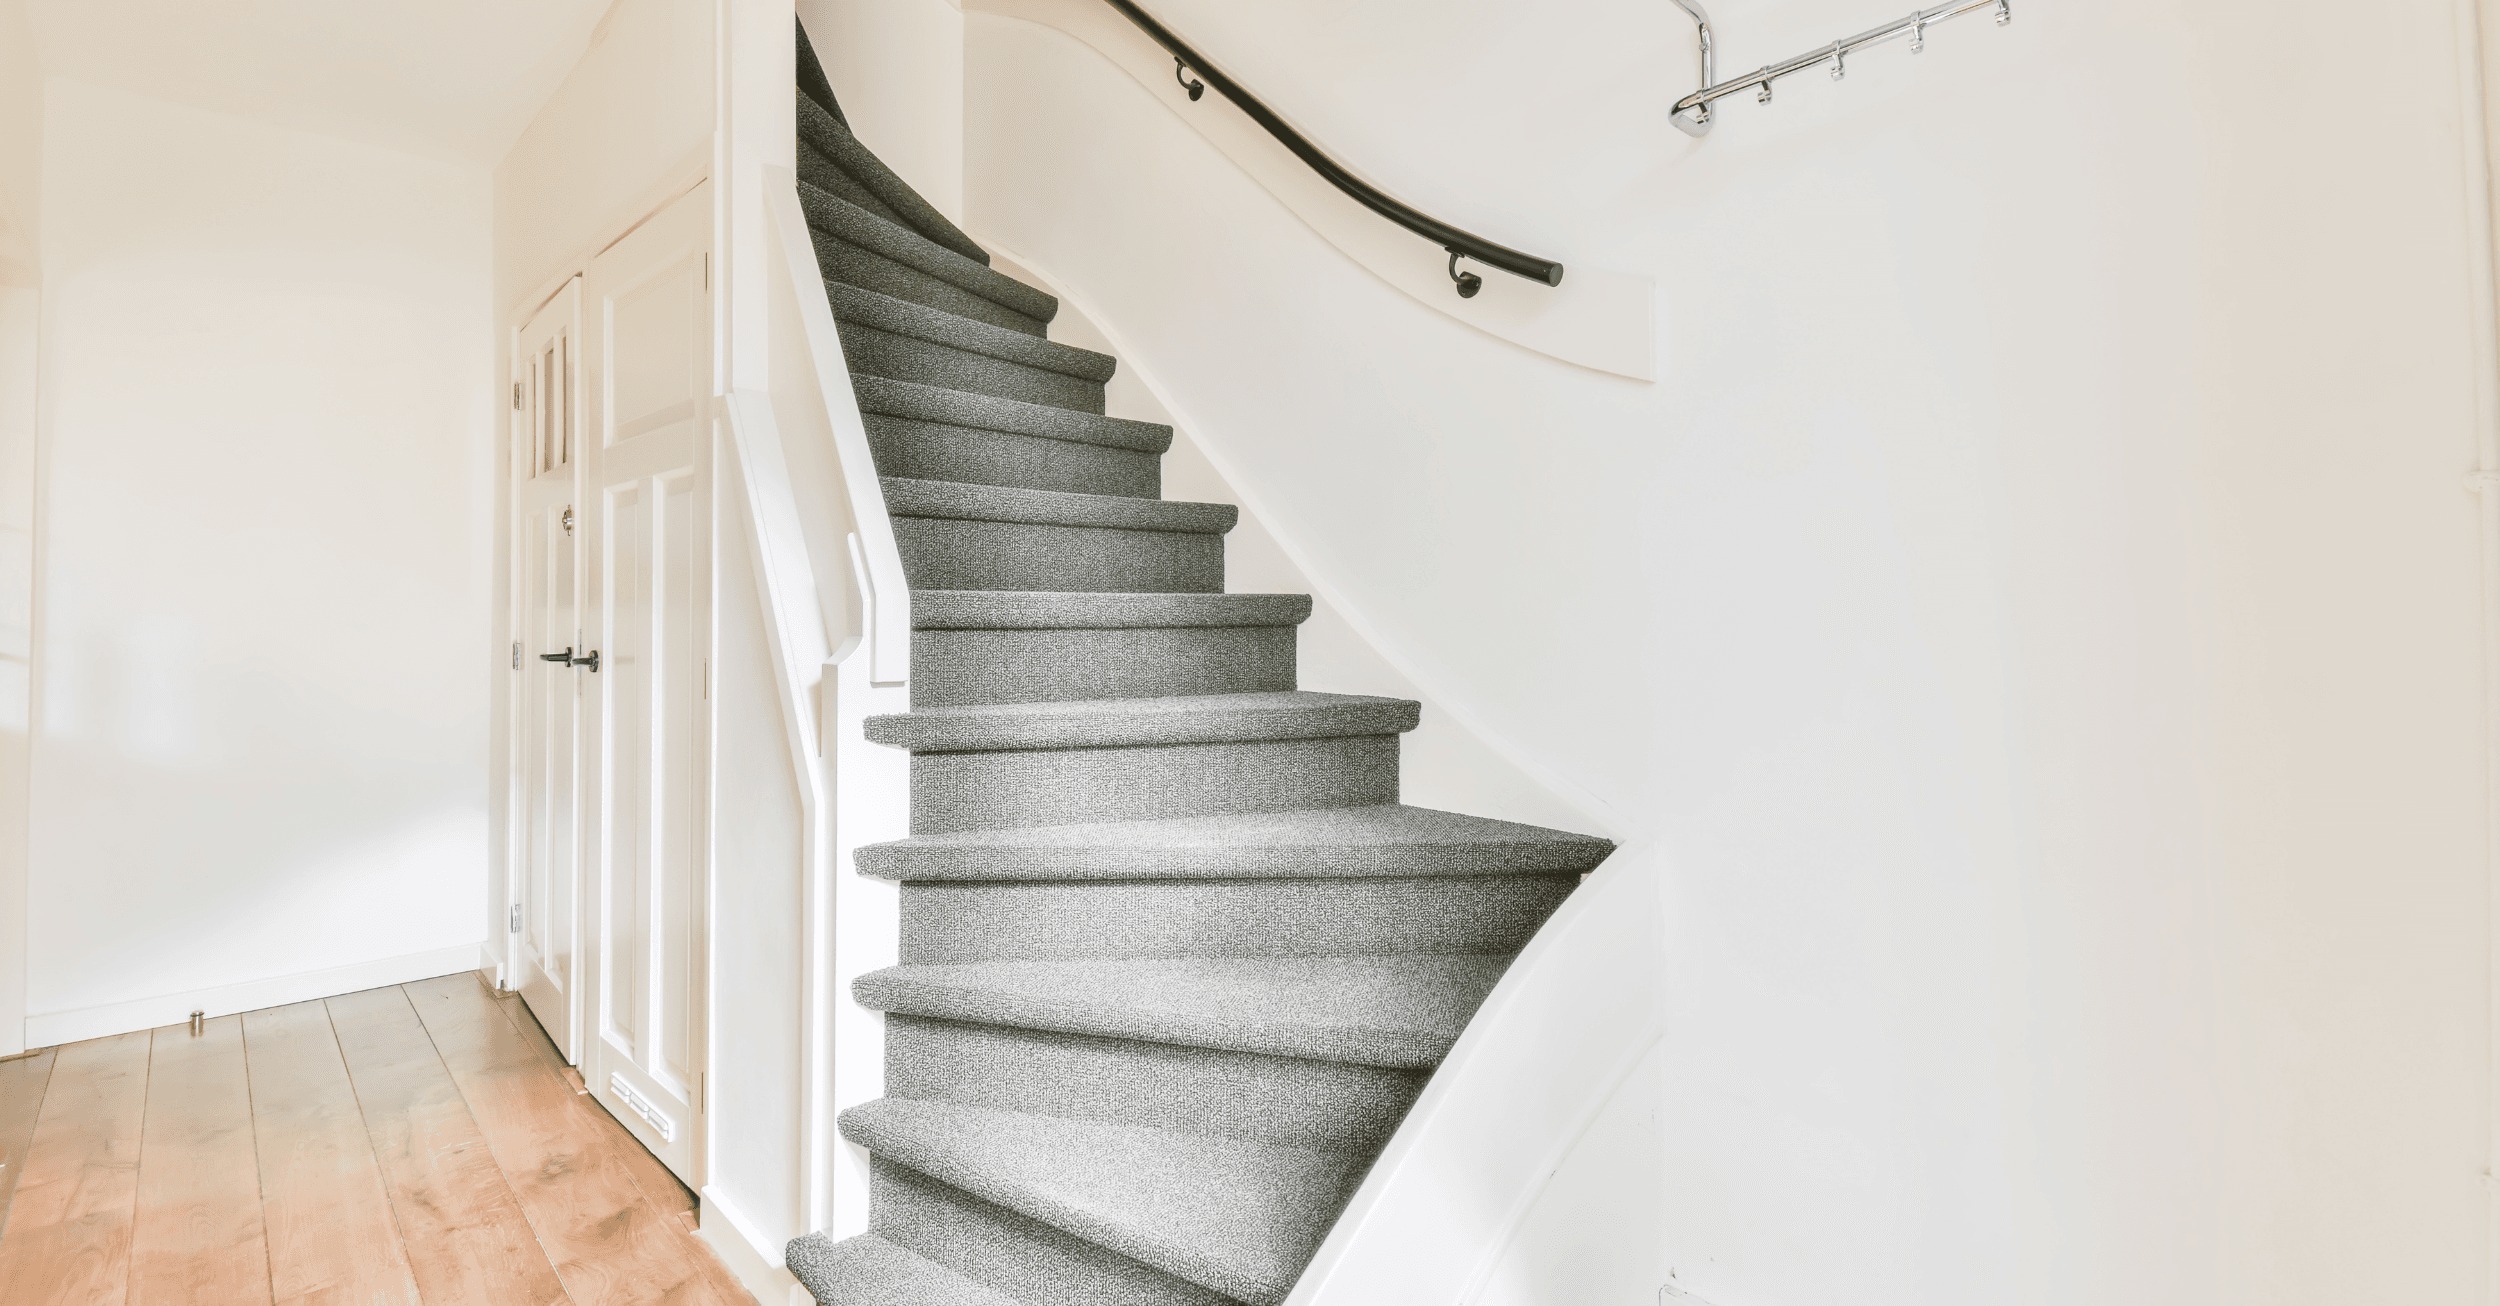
(853,306)
(1050,610)
(967,501)
(832,214)
(1132,722)
(1240,1217)
(1337,841)
(869,1271)
(820,130)
(1402,1010)
(887,397)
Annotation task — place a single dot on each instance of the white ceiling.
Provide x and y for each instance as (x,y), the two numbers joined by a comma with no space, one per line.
(449,78)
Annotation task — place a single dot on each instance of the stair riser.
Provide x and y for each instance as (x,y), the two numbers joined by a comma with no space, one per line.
(950,667)
(945,554)
(932,451)
(821,172)
(923,362)
(972,791)
(1015,1254)
(1225,918)
(1123,1081)
(843,262)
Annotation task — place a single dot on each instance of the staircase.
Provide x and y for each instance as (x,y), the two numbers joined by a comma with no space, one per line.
(1175,962)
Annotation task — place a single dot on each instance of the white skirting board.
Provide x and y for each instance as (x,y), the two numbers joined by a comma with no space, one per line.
(757,1266)
(174,1008)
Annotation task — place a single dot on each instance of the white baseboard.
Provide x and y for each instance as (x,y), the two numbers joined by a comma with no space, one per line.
(174,1008)
(755,1259)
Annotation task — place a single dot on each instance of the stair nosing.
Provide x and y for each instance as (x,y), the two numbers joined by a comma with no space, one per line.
(1143,722)
(1020,505)
(1180,849)
(936,610)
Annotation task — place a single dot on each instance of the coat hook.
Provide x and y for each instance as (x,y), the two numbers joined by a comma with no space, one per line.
(1764,95)
(1468,283)
(1840,61)
(1192,85)
(1918,35)
(2005,12)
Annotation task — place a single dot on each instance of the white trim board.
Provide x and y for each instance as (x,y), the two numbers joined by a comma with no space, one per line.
(59,1027)
(758,1267)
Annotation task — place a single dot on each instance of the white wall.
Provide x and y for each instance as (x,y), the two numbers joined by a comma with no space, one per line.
(260,735)
(897,67)
(21,144)
(2035,612)
(638,103)
(21,192)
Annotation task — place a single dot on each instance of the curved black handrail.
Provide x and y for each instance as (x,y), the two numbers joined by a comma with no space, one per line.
(1458,244)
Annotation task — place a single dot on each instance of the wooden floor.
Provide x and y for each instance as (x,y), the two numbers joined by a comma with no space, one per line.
(419,1144)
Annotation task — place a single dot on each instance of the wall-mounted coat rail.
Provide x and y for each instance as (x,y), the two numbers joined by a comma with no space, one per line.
(1458,244)
(1693,115)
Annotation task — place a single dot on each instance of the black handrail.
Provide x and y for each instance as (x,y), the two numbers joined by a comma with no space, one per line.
(1458,244)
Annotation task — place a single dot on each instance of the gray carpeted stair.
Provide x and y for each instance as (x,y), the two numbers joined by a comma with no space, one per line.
(1230,1214)
(1174,960)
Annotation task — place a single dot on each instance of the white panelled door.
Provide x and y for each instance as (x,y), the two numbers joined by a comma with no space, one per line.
(650,384)
(544,960)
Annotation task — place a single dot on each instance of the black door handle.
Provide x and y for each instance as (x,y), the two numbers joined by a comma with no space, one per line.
(588,660)
(565,658)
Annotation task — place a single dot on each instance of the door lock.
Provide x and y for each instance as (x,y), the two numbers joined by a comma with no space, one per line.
(588,660)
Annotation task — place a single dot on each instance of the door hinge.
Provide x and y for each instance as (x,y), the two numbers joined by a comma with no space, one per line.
(516,918)
(516,655)
(516,395)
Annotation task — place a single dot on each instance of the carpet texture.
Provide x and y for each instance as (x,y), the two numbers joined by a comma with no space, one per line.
(1175,960)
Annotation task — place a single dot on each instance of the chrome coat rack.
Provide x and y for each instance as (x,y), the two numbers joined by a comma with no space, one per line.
(1693,115)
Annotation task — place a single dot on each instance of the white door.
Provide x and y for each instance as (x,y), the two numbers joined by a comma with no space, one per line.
(649,301)
(547,700)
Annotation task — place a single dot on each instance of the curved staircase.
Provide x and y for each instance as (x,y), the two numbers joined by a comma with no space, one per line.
(1174,961)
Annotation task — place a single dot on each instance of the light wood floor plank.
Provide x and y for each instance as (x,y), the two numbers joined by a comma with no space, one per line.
(609,1241)
(68,1239)
(467,1239)
(658,1183)
(22,1081)
(198,1237)
(331,1236)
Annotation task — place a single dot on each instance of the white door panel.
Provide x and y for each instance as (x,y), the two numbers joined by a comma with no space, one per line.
(650,383)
